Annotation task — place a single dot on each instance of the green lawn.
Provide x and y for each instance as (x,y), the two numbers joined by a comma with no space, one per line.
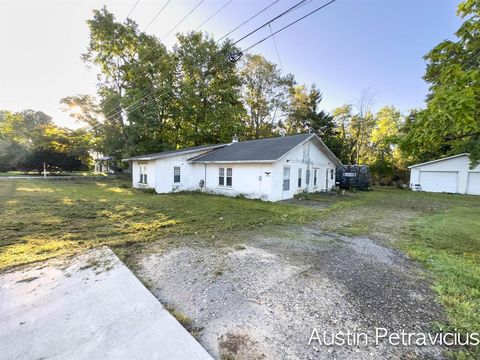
(42,219)
(75,173)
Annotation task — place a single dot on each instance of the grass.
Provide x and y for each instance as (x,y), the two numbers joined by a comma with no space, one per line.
(185,320)
(440,231)
(74,173)
(43,219)
(448,244)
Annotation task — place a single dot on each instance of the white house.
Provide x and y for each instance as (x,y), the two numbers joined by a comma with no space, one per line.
(270,169)
(102,164)
(451,175)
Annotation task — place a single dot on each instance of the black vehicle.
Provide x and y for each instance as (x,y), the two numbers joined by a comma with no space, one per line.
(353,177)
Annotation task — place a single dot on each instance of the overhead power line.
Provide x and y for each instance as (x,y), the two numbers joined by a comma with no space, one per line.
(138,104)
(288,25)
(114,112)
(213,15)
(156,15)
(248,20)
(133,8)
(183,19)
(276,48)
(270,21)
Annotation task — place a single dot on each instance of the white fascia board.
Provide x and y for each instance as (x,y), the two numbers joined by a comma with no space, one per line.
(438,160)
(234,162)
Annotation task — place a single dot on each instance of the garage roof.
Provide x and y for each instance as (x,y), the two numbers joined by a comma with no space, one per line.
(438,160)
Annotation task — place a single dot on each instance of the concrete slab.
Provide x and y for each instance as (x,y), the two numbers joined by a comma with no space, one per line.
(90,307)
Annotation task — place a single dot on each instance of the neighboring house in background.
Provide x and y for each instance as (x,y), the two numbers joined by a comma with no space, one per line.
(103,165)
(451,175)
(270,169)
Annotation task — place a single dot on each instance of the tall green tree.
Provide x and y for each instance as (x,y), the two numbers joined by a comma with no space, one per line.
(451,121)
(265,95)
(342,117)
(305,116)
(384,157)
(354,129)
(134,84)
(153,99)
(208,88)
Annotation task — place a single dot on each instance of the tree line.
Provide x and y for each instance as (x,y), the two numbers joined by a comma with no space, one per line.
(151,99)
(29,139)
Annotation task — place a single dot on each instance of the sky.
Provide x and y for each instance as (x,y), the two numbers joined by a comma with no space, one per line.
(349,46)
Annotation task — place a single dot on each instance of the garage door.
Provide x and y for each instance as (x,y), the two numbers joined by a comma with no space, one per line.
(439,181)
(473,185)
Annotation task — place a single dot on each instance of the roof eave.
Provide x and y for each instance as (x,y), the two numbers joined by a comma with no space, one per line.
(178,153)
(232,161)
(438,160)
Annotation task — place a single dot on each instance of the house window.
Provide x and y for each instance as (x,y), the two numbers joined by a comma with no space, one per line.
(315,174)
(225,180)
(221,176)
(143,174)
(229,176)
(307,177)
(286,178)
(331,174)
(176,174)
(299,177)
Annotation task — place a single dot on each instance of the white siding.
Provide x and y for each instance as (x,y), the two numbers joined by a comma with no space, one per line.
(449,175)
(253,180)
(150,174)
(160,173)
(307,156)
(473,184)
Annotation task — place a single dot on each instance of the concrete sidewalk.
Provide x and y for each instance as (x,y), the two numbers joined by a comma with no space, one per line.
(91,307)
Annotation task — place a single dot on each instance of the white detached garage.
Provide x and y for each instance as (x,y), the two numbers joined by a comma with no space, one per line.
(450,175)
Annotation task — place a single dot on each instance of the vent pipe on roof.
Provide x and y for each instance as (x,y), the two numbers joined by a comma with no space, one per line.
(235,139)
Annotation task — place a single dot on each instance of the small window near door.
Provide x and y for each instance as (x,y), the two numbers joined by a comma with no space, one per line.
(315,172)
(299,178)
(307,177)
(286,178)
(331,174)
(176,174)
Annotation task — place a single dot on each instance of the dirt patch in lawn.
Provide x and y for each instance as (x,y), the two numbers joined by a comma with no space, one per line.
(261,298)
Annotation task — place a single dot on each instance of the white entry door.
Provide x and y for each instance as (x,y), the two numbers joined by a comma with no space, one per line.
(473,185)
(439,181)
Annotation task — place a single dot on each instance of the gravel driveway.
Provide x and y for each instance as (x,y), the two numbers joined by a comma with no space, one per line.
(261,298)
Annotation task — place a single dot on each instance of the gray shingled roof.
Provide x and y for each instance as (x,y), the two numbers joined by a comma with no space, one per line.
(267,150)
(170,153)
